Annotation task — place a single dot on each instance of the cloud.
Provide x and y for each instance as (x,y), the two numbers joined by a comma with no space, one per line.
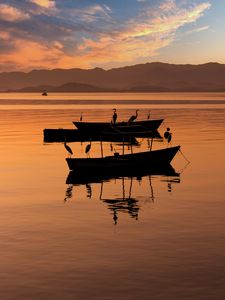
(199,29)
(91,13)
(44,3)
(11,14)
(91,35)
(168,5)
(141,39)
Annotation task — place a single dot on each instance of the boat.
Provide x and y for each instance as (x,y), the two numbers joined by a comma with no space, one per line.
(113,164)
(138,126)
(59,135)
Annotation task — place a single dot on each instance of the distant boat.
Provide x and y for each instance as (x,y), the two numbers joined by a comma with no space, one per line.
(44,94)
(113,164)
(140,126)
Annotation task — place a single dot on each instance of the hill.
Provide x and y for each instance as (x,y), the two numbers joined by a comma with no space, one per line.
(143,77)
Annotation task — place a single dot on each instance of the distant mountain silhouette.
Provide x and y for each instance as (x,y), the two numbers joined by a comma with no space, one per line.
(67,87)
(149,77)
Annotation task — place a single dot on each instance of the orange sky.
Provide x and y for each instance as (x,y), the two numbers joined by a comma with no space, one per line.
(64,34)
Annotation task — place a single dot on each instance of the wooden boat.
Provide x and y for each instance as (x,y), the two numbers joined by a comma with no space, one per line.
(61,135)
(144,125)
(113,164)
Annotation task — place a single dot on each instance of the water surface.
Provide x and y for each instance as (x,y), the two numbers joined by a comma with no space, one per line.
(60,241)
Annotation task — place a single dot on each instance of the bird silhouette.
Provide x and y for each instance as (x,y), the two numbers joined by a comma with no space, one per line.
(134,117)
(88,148)
(167,133)
(149,113)
(81,117)
(114,117)
(169,138)
(69,150)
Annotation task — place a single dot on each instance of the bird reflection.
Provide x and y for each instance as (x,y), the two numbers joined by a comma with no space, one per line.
(68,193)
(89,190)
(115,216)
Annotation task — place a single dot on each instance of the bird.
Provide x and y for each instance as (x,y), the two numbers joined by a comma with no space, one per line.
(149,113)
(81,117)
(167,133)
(169,137)
(134,117)
(114,117)
(88,148)
(69,150)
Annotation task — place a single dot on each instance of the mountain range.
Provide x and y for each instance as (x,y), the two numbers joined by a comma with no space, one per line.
(149,77)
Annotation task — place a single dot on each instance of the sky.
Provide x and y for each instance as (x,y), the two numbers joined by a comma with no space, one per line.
(49,34)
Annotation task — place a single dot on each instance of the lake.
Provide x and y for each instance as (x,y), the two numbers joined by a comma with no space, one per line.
(90,241)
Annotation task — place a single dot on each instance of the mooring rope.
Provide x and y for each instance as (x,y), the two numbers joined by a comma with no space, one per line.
(184,156)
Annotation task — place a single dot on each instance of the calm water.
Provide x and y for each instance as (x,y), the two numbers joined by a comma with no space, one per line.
(60,241)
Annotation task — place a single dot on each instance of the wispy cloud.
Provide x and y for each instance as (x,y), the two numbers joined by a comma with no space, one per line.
(199,29)
(142,39)
(91,13)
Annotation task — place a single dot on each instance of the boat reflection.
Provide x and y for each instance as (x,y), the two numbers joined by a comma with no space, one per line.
(126,203)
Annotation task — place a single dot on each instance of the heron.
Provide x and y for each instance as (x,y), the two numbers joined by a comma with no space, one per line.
(88,148)
(169,137)
(134,117)
(114,117)
(149,113)
(69,150)
(167,133)
(81,117)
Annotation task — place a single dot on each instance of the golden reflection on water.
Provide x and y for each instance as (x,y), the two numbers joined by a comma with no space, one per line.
(59,240)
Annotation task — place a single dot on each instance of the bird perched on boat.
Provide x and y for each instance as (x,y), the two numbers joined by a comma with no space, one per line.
(169,138)
(81,117)
(149,113)
(134,117)
(88,148)
(168,135)
(69,150)
(114,117)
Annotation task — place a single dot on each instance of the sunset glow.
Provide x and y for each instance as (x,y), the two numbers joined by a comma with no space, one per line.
(67,34)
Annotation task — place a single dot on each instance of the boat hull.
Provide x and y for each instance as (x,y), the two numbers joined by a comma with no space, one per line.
(114,163)
(74,135)
(145,125)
